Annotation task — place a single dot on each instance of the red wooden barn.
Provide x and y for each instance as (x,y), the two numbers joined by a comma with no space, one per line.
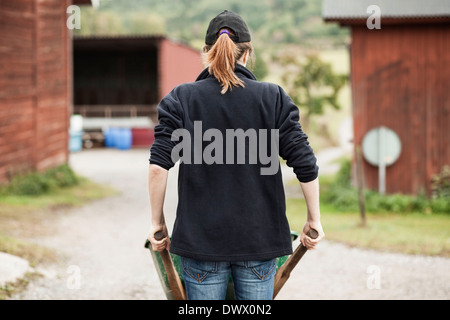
(128,75)
(36,81)
(400,79)
(35,85)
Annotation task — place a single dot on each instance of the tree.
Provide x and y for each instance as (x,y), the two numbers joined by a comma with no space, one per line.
(259,67)
(312,85)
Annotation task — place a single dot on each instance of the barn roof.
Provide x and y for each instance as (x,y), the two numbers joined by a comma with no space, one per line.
(116,42)
(125,42)
(335,10)
(119,36)
(95,3)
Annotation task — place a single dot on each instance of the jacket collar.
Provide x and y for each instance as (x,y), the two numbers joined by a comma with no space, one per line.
(239,70)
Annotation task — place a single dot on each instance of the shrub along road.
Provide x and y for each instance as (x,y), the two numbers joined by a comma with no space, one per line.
(102,243)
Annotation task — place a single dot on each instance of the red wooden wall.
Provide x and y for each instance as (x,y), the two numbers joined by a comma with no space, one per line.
(401,79)
(35,85)
(177,64)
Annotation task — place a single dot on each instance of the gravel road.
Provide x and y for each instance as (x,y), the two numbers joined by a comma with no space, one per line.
(102,243)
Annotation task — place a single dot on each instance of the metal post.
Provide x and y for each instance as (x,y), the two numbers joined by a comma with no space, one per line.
(382,161)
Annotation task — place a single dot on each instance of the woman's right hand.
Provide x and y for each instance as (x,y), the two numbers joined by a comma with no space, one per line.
(307,241)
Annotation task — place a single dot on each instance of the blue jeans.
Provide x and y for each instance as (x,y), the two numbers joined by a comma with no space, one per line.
(253,280)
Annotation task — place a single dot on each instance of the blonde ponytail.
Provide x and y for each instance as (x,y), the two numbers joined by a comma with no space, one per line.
(221,60)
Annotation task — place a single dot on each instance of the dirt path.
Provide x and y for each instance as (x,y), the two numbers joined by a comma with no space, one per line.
(103,243)
(335,271)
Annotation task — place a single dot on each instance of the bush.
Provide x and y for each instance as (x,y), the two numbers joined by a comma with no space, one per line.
(440,184)
(395,202)
(344,176)
(30,184)
(40,183)
(440,205)
(62,176)
(340,193)
(344,197)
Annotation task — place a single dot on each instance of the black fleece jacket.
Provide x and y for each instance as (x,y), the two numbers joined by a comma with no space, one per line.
(231,212)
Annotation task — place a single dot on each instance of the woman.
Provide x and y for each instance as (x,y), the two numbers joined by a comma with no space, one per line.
(228,130)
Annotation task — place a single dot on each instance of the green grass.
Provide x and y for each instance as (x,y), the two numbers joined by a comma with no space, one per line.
(413,233)
(71,196)
(10,289)
(23,217)
(394,223)
(34,253)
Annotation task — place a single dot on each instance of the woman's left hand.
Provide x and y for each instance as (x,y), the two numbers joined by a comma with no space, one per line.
(159,245)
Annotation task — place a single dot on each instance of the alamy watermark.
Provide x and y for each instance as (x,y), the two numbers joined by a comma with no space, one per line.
(73,281)
(74,20)
(374,277)
(374,20)
(234,146)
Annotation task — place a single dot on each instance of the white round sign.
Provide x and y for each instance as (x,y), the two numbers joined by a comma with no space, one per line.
(381,145)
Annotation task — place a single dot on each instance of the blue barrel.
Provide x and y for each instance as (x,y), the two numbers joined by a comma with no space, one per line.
(111,137)
(75,141)
(124,139)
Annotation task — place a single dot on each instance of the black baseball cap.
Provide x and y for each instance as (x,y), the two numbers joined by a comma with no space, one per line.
(230,20)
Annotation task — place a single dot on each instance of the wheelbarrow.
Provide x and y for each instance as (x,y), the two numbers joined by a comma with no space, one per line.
(164,279)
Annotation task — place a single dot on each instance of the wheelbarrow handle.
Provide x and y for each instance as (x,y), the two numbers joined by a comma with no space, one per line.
(284,272)
(174,280)
(159,235)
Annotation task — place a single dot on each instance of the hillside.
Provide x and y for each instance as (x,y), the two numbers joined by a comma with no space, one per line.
(272,22)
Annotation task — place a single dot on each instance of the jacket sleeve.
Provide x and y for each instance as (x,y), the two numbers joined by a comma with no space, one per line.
(293,142)
(170,118)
